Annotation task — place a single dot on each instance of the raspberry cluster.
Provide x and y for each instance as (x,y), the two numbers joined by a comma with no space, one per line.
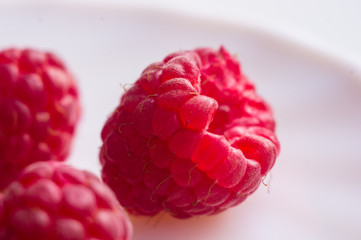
(190,137)
(42,198)
(52,201)
(39,108)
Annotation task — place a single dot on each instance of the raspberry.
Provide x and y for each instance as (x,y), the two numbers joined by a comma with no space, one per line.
(39,110)
(190,137)
(51,200)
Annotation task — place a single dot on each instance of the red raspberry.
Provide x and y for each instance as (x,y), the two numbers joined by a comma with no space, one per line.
(50,200)
(191,137)
(39,109)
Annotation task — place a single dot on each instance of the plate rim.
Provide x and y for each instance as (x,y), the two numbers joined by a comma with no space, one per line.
(303,43)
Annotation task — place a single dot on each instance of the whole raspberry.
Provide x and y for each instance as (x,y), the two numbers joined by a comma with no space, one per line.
(191,137)
(39,109)
(51,200)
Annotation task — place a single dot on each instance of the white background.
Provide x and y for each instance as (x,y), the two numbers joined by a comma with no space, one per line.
(335,24)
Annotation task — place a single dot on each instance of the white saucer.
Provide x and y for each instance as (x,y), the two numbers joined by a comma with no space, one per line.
(314,190)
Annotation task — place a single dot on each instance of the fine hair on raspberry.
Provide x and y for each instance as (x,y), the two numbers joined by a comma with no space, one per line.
(190,137)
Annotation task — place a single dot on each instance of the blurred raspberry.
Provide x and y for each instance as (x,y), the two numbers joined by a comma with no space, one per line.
(191,137)
(39,110)
(52,201)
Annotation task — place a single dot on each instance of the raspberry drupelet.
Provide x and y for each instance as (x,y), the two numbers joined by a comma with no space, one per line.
(190,137)
(53,201)
(39,110)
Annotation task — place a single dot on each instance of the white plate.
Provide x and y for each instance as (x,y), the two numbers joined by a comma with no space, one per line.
(314,190)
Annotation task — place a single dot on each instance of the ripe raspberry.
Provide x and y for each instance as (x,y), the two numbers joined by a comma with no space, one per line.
(39,109)
(50,200)
(191,137)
